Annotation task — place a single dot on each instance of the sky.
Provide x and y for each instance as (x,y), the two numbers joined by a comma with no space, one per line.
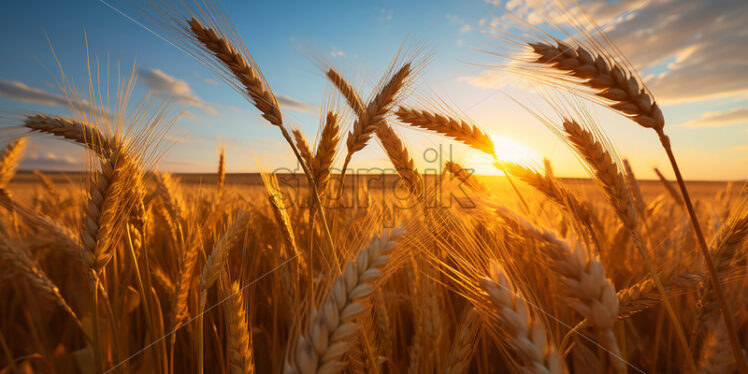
(691,53)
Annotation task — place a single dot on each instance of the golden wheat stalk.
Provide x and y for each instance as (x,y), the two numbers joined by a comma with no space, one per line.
(20,263)
(459,130)
(619,86)
(325,339)
(526,335)
(590,292)
(465,176)
(399,156)
(606,171)
(246,73)
(326,150)
(105,201)
(644,294)
(74,130)
(303,145)
(239,339)
(10,156)
(216,261)
(221,175)
(609,80)
(554,190)
(346,89)
(368,122)
(641,205)
(463,344)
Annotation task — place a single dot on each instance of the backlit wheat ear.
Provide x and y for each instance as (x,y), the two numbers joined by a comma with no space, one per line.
(463,344)
(105,201)
(326,150)
(459,130)
(48,186)
(221,175)
(347,90)
(10,156)
(644,295)
(465,176)
(76,131)
(303,146)
(241,360)
(618,86)
(589,291)
(641,205)
(399,156)
(325,340)
(604,168)
(247,75)
(527,336)
(171,194)
(613,183)
(366,124)
(214,265)
(725,247)
(610,81)
(65,238)
(554,190)
(20,263)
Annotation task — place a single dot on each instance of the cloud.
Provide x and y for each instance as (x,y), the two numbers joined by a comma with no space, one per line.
(50,161)
(337,53)
(158,81)
(740,148)
(713,119)
(691,49)
(386,14)
(293,104)
(210,81)
(486,79)
(18,91)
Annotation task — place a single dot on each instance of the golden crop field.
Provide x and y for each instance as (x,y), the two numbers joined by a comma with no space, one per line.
(128,269)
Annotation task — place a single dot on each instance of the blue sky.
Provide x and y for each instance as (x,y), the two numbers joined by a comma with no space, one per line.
(704,102)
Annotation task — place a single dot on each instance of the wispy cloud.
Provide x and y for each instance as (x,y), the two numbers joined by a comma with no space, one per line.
(210,81)
(740,148)
(713,119)
(386,14)
(18,91)
(158,81)
(50,161)
(293,104)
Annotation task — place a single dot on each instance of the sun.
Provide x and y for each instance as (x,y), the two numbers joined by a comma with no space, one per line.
(506,149)
(509,150)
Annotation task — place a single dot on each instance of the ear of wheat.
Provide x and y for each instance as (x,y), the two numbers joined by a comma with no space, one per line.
(459,130)
(618,85)
(326,150)
(221,178)
(609,80)
(527,336)
(463,344)
(246,73)
(583,275)
(303,146)
(76,131)
(325,339)
(241,360)
(10,156)
(367,123)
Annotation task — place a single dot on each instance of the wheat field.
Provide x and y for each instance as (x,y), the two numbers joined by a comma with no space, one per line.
(128,269)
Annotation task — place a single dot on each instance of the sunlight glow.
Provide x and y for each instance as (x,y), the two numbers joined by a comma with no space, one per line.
(509,150)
